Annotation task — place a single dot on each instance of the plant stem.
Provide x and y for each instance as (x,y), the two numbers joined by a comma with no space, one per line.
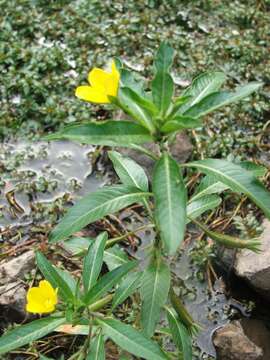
(115,240)
(182,312)
(86,345)
(100,303)
(145,151)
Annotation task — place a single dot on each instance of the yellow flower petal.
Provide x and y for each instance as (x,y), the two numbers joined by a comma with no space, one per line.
(102,83)
(41,299)
(112,85)
(113,82)
(34,295)
(91,94)
(98,78)
(37,308)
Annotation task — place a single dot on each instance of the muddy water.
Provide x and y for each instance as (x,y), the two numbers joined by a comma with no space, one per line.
(209,307)
(34,175)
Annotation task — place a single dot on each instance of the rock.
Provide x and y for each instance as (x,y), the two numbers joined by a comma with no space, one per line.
(13,296)
(225,258)
(255,268)
(181,150)
(231,343)
(16,268)
(258,333)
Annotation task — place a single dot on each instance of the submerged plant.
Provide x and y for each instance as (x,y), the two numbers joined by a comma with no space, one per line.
(153,116)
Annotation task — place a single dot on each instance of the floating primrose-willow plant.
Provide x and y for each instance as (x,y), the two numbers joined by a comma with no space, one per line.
(88,306)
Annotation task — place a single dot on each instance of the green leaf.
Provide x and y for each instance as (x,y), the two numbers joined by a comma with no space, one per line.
(162,84)
(170,202)
(180,122)
(97,348)
(25,334)
(180,334)
(219,99)
(201,86)
(141,101)
(109,133)
(95,206)
(177,104)
(131,103)
(154,293)
(133,81)
(237,178)
(54,278)
(129,172)
(131,340)
(209,184)
(257,170)
(93,261)
(77,245)
(114,257)
(107,281)
(126,288)
(198,206)
(68,278)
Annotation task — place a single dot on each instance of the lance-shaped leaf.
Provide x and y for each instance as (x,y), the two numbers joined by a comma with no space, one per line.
(132,104)
(28,333)
(93,261)
(181,336)
(69,279)
(170,202)
(209,184)
(107,282)
(109,133)
(126,288)
(180,122)
(198,206)
(54,277)
(237,178)
(129,172)
(154,293)
(201,86)
(141,101)
(133,81)
(219,99)
(114,257)
(131,340)
(94,207)
(97,348)
(162,84)
(77,245)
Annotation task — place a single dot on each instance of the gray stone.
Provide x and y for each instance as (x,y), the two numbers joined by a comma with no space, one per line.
(181,150)
(258,333)
(16,268)
(13,295)
(255,268)
(231,343)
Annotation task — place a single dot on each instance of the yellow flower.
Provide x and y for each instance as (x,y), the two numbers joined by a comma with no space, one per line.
(102,84)
(41,299)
